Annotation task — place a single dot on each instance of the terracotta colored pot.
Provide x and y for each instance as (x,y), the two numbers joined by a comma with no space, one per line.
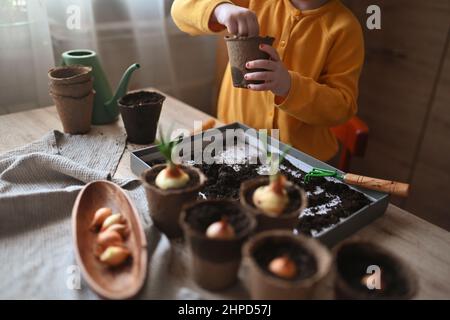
(266,286)
(75,113)
(76,90)
(287,220)
(215,262)
(242,50)
(68,75)
(356,260)
(165,205)
(140,114)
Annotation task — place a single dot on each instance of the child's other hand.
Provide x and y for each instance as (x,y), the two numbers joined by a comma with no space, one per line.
(239,21)
(277,78)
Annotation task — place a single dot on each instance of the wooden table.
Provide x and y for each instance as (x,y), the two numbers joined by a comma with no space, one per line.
(424,246)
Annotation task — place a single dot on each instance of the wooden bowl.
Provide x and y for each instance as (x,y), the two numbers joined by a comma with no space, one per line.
(123,281)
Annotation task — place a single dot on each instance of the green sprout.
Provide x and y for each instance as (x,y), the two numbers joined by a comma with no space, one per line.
(166,146)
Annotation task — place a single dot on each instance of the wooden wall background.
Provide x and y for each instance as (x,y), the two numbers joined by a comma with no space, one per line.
(405,100)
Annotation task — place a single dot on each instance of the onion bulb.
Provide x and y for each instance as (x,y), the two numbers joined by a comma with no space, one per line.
(114,255)
(99,217)
(220,230)
(272,199)
(171,177)
(283,267)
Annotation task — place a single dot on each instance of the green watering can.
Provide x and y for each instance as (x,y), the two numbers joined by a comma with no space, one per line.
(105,103)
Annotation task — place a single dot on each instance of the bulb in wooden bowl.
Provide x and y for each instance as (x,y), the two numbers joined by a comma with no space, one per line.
(109,238)
(116,218)
(114,255)
(99,217)
(122,229)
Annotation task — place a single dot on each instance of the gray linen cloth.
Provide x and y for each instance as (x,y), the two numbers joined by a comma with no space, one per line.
(38,186)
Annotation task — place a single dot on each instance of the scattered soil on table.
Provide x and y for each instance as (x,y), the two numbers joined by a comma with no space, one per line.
(224,182)
(204,214)
(273,248)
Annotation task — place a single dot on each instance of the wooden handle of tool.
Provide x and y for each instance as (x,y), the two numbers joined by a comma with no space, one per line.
(206,125)
(392,187)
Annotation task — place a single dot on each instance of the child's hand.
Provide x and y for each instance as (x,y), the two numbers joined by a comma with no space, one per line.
(239,21)
(277,78)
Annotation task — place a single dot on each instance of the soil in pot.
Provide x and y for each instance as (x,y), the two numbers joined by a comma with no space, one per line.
(273,248)
(140,114)
(165,205)
(352,261)
(201,217)
(328,201)
(215,262)
(242,50)
(308,265)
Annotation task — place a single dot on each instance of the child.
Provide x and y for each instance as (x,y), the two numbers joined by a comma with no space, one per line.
(312,78)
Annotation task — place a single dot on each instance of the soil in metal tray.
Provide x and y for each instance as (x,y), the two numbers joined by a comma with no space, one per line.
(328,201)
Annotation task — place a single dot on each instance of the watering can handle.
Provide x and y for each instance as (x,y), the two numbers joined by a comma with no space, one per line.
(392,187)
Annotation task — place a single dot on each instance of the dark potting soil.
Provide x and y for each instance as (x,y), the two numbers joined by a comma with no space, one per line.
(224,183)
(204,214)
(352,265)
(295,200)
(194,179)
(272,248)
(141,98)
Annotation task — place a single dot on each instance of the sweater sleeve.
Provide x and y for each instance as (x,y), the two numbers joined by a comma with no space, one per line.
(193,16)
(331,100)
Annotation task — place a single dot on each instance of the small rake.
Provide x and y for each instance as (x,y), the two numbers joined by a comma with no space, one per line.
(387,186)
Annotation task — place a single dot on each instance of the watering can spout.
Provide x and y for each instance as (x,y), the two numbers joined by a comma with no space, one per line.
(123,85)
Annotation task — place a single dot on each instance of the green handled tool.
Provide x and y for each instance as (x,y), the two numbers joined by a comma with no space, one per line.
(387,186)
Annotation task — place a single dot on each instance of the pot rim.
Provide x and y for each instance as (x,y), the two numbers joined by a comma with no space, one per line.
(242,38)
(85,69)
(257,182)
(186,227)
(62,85)
(202,181)
(162,98)
(319,252)
(400,265)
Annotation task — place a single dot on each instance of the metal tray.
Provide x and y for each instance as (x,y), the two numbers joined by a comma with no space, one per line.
(304,162)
